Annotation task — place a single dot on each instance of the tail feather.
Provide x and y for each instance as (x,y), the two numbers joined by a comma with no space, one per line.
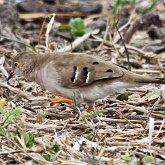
(140,78)
(154,80)
(160,80)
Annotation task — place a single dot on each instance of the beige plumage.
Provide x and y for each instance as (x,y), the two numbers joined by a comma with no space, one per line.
(77,74)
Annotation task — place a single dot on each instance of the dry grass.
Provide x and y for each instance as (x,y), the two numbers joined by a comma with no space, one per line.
(119,132)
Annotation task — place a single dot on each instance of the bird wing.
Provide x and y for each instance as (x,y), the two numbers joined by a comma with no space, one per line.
(77,70)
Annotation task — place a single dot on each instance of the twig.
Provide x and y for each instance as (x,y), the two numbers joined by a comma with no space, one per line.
(131,30)
(151,111)
(17,91)
(141,71)
(59,116)
(143,110)
(126,50)
(41,30)
(132,16)
(23,94)
(118,120)
(51,127)
(49,27)
(159,131)
(23,150)
(11,39)
(78,41)
(162,91)
(146,55)
(139,109)
(125,143)
(34,16)
(2,69)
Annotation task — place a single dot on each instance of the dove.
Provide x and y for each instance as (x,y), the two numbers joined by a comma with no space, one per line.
(85,77)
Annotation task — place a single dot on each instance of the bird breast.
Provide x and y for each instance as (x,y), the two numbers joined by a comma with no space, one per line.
(51,81)
(101,90)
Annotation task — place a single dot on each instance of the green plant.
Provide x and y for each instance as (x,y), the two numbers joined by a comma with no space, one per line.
(142,6)
(10,115)
(89,115)
(55,148)
(124,96)
(47,157)
(29,138)
(2,131)
(148,160)
(127,158)
(77,26)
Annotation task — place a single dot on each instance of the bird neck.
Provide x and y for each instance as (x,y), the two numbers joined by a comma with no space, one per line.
(35,64)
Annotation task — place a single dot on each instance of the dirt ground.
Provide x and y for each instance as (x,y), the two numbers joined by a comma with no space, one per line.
(126,128)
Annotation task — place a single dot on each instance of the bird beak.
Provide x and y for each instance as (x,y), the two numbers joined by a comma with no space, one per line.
(10,75)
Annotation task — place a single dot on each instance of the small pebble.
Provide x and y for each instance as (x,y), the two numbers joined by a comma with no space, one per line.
(133,114)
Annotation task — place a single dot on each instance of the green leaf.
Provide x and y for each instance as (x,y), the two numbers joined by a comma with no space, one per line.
(2,131)
(122,3)
(9,115)
(77,26)
(154,93)
(140,5)
(64,27)
(88,136)
(124,96)
(148,160)
(29,139)
(47,157)
(55,148)
(89,115)
(145,6)
(3,112)
(15,114)
(127,158)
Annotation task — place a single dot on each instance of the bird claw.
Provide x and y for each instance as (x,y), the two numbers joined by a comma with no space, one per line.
(90,108)
(61,100)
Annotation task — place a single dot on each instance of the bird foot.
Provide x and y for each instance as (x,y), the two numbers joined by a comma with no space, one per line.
(61,100)
(69,102)
(90,108)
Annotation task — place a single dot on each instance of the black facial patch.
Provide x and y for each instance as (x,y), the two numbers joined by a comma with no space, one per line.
(74,73)
(85,73)
(109,70)
(95,63)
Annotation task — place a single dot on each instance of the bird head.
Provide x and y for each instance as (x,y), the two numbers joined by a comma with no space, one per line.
(21,62)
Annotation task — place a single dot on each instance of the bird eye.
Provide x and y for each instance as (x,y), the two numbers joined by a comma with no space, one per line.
(16,64)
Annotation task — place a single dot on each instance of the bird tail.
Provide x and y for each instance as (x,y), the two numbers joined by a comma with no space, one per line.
(142,79)
(150,80)
(160,80)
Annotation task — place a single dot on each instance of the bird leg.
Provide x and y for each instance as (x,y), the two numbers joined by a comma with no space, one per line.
(70,102)
(61,100)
